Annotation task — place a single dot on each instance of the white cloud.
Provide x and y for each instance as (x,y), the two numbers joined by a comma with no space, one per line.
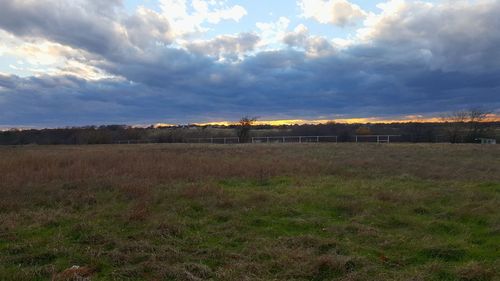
(390,11)
(342,43)
(147,27)
(42,57)
(272,33)
(82,70)
(313,46)
(184,21)
(337,12)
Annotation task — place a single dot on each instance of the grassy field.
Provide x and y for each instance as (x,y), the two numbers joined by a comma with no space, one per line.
(250,212)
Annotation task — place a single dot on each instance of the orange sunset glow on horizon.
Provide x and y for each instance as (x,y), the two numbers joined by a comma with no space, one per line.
(366,120)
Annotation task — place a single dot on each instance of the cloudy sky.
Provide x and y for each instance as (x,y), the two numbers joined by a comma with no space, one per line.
(81,62)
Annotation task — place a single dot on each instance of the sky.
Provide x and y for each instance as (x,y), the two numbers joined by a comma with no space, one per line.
(89,62)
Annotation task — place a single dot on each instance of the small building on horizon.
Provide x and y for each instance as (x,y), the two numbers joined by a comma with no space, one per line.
(487,141)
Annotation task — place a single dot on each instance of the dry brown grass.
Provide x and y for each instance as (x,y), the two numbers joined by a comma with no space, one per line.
(22,166)
(475,272)
(74,274)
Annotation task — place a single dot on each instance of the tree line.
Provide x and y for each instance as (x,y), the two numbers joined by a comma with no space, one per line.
(457,127)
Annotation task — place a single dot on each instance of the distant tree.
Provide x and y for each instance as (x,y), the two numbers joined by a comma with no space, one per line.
(418,132)
(363,130)
(345,135)
(243,129)
(455,125)
(465,125)
(476,116)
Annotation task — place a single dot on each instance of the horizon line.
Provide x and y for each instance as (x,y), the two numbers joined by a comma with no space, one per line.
(275,122)
(351,121)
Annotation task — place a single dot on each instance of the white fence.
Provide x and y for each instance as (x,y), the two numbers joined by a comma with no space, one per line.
(376,138)
(134,141)
(295,139)
(281,139)
(213,140)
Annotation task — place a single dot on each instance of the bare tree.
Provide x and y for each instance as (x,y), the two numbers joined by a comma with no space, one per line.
(477,116)
(244,126)
(455,125)
(464,125)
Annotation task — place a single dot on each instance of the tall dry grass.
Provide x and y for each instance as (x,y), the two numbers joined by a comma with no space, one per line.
(133,169)
(21,166)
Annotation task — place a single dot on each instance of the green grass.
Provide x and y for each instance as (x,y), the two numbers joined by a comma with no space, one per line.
(363,223)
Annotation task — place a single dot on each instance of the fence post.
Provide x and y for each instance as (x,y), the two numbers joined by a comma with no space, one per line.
(300,139)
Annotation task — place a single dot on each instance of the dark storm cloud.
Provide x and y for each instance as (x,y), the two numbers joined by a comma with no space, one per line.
(425,60)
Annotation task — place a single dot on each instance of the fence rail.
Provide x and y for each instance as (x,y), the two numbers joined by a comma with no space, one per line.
(295,139)
(213,140)
(134,141)
(279,139)
(275,139)
(375,138)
